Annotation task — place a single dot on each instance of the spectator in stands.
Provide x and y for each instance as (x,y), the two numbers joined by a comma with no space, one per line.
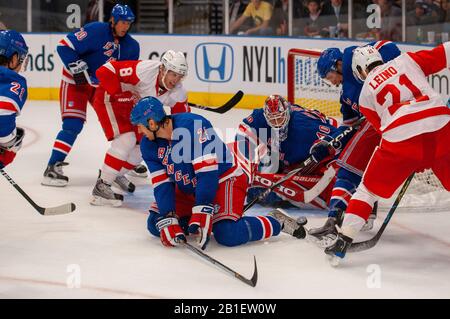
(315,25)
(437,12)
(92,10)
(337,16)
(421,15)
(280,17)
(391,21)
(261,13)
(237,8)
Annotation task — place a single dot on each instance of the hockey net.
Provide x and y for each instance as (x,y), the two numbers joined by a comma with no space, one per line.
(306,88)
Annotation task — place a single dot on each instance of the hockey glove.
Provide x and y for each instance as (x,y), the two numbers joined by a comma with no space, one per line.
(8,150)
(170,231)
(321,151)
(79,71)
(201,223)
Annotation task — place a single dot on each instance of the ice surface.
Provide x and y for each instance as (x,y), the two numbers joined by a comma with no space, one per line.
(116,257)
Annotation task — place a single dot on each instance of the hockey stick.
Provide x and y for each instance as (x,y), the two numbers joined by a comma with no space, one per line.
(224,108)
(251,282)
(58,210)
(367,244)
(305,163)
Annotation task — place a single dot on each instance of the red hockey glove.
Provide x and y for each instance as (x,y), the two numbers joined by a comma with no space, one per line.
(6,157)
(201,223)
(170,231)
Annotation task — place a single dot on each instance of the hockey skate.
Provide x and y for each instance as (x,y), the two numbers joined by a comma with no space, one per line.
(54,175)
(138,171)
(103,195)
(326,235)
(289,225)
(338,250)
(124,184)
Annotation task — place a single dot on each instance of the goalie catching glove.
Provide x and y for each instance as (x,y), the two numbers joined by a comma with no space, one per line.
(201,223)
(170,230)
(9,149)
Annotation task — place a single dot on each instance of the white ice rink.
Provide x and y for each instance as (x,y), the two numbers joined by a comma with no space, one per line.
(108,252)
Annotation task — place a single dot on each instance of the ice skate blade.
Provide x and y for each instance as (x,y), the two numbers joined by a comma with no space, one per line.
(48,181)
(100,201)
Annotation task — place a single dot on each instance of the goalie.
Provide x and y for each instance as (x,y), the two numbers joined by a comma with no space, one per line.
(285,135)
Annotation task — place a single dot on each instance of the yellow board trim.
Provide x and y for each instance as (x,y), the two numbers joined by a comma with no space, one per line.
(43,93)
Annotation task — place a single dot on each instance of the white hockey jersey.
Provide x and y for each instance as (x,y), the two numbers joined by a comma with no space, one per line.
(141,78)
(398,100)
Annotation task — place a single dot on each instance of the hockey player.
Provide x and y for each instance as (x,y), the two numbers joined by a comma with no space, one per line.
(288,132)
(414,123)
(13,93)
(82,52)
(335,67)
(198,187)
(121,85)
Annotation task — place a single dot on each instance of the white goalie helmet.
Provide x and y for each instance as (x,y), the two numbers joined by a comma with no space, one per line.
(175,61)
(362,58)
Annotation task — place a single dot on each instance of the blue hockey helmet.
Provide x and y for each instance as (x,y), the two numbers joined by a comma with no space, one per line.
(327,61)
(122,12)
(12,42)
(148,108)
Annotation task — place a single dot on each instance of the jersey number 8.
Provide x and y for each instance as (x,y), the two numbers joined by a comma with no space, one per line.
(126,72)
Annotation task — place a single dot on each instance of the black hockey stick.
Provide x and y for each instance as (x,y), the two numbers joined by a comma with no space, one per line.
(224,108)
(367,244)
(307,162)
(58,210)
(251,282)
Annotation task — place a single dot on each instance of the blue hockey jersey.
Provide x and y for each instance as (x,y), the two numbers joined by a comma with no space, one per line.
(194,161)
(351,87)
(304,128)
(95,44)
(13,94)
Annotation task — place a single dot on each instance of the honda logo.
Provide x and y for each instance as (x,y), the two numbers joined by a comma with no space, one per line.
(214,62)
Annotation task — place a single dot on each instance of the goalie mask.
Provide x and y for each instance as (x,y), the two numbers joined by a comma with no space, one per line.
(362,58)
(277,112)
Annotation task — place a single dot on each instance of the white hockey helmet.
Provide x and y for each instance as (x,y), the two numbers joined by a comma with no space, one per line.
(175,61)
(362,58)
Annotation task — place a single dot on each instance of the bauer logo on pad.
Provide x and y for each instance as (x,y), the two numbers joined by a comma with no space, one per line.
(214,62)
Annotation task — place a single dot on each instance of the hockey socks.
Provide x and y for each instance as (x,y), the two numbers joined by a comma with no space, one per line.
(231,233)
(343,190)
(248,228)
(65,139)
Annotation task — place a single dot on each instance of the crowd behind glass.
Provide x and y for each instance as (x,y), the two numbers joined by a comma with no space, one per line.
(426,21)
